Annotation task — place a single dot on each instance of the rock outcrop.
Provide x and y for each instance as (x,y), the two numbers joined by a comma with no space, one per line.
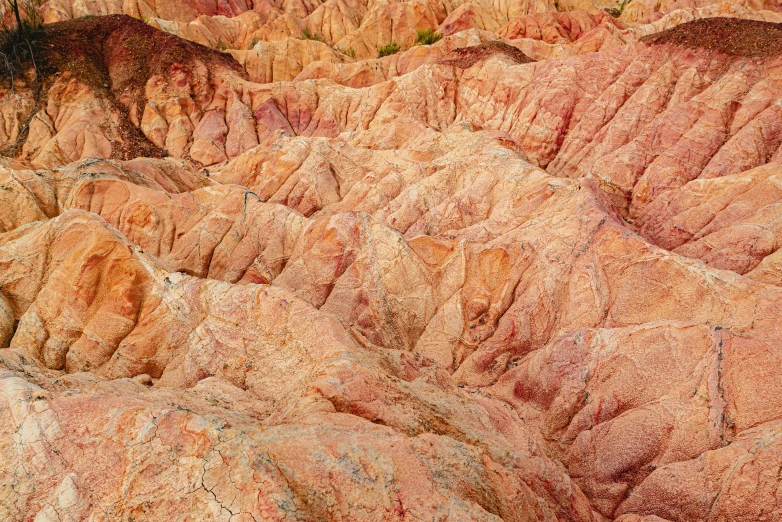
(531,271)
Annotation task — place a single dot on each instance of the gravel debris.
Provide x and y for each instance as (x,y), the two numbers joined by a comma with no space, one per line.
(732,36)
(465,57)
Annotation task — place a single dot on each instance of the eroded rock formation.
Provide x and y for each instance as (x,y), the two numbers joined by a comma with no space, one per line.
(529,272)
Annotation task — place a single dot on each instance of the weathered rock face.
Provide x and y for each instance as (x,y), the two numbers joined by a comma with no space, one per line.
(499,277)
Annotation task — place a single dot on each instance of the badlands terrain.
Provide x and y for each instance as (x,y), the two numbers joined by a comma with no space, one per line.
(252,271)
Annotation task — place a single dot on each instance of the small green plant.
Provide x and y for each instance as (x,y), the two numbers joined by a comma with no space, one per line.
(388,49)
(427,36)
(350,52)
(220,46)
(616,12)
(311,36)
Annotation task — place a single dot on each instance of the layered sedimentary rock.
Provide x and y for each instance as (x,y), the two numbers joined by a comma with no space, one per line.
(529,272)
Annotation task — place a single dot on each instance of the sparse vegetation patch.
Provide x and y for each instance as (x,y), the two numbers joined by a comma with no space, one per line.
(427,36)
(388,49)
(311,36)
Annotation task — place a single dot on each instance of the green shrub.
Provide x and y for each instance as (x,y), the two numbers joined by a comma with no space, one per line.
(388,50)
(350,52)
(427,36)
(311,36)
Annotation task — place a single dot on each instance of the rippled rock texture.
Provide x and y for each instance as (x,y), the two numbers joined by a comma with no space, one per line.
(250,270)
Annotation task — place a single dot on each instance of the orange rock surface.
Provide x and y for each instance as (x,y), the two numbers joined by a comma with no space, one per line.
(252,271)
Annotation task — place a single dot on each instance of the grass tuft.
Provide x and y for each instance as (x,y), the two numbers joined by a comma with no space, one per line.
(311,36)
(427,36)
(388,49)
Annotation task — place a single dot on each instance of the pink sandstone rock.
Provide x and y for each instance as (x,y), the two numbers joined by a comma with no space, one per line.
(501,277)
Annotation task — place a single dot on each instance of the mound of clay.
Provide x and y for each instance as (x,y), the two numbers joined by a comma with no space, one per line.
(732,36)
(117,52)
(84,90)
(466,57)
